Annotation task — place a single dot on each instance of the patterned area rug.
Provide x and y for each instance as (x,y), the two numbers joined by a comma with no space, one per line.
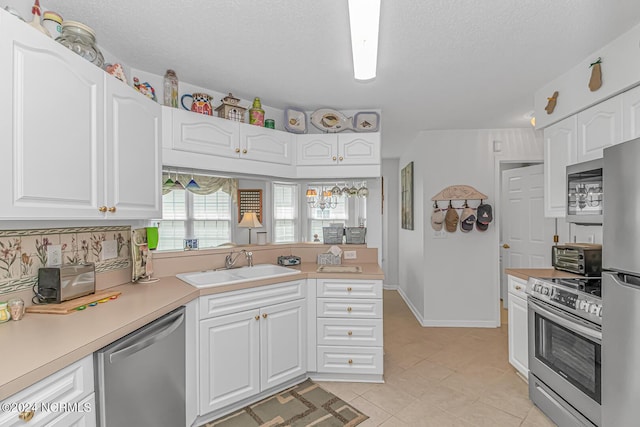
(303,405)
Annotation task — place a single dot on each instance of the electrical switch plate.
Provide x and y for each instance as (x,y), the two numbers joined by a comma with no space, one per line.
(54,255)
(350,255)
(591,238)
(109,249)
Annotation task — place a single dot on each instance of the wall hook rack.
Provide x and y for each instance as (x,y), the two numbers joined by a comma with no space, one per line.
(459,192)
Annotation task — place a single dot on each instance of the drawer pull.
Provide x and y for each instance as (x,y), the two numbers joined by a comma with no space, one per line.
(349,289)
(349,333)
(26,415)
(264,316)
(258,317)
(349,309)
(518,288)
(350,362)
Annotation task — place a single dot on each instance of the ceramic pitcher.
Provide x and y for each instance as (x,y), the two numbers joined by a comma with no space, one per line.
(200,103)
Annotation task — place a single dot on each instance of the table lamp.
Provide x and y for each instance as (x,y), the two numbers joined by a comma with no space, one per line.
(250,220)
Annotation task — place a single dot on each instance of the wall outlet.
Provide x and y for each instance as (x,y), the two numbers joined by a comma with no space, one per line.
(591,238)
(54,255)
(109,250)
(350,255)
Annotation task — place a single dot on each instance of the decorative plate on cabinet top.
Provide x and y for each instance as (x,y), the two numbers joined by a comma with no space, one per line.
(295,121)
(330,120)
(366,121)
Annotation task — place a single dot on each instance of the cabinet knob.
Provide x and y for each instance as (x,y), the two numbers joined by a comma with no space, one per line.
(27,415)
(102,208)
(265,315)
(244,151)
(506,246)
(518,288)
(237,150)
(341,158)
(349,289)
(334,158)
(112,209)
(349,309)
(349,333)
(350,362)
(257,317)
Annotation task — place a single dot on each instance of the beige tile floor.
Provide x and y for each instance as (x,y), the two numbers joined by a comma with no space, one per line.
(442,377)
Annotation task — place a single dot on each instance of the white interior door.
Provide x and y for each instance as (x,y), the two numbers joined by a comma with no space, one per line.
(527,236)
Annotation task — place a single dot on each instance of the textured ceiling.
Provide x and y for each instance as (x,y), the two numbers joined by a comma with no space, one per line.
(442,64)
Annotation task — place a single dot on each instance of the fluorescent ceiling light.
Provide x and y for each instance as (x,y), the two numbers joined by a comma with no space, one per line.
(364,18)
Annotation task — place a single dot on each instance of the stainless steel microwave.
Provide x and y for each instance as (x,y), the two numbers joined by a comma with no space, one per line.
(584,192)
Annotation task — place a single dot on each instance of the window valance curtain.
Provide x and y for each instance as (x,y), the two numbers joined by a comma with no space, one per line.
(207,184)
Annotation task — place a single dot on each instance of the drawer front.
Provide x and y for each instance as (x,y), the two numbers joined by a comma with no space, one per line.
(84,416)
(349,288)
(517,286)
(350,332)
(350,360)
(248,299)
(349,308)
(68,385)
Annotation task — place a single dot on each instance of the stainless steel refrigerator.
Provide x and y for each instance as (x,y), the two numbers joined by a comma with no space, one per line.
(621,286)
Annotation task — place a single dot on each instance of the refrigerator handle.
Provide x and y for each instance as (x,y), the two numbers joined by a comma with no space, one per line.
(624,279)
(146,342)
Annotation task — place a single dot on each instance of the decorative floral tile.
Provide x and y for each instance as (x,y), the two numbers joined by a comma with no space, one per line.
(10,253)
(124,243)
(96,246)
(30,260)
(84,247)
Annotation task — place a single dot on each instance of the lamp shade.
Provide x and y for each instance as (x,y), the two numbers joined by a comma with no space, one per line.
(250,220)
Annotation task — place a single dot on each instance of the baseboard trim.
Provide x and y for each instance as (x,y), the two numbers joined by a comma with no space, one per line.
(459,323)
(388,287)
(361,378)
(413,309)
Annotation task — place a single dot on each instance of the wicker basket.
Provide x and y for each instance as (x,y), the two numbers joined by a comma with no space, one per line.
(356,235)
(329,259)
(332,235)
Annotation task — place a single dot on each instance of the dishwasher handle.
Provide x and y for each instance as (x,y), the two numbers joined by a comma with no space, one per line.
(149,340)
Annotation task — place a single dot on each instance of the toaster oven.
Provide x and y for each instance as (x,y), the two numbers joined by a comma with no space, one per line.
(579,258)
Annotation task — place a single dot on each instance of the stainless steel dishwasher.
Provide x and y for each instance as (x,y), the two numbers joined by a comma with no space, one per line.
(141,377)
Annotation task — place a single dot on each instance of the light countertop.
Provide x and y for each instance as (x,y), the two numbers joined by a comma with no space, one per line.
(543,273)
(41,344)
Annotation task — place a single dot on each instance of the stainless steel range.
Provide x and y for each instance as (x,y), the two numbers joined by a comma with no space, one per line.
(565,340)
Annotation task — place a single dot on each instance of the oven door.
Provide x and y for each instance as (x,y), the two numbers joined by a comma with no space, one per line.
(565,354)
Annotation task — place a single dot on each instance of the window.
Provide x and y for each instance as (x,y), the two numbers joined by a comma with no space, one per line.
(205,217)
(285,213)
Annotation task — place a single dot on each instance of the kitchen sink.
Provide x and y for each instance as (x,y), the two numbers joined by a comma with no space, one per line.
(210,278)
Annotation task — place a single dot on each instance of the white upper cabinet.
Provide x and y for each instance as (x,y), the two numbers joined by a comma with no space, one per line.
(560,143)
(359,149)
(631,114)
(598,127)
(52,104)
(134,168)
(266,145)
(197,133)
(315,150)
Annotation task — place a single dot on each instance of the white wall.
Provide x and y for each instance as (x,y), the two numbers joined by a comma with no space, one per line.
(390,222)
(454,280)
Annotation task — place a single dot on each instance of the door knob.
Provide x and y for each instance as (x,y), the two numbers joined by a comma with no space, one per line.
(506,246)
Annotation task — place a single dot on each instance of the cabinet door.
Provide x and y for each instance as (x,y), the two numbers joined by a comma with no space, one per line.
(134,168)
(229,359)
(560,141)
(52,104)
(317,150)
(631,114)
(197,133)
(282,343)
(82,414)
(518,334)
(359,149)
(599,127)
(265,145)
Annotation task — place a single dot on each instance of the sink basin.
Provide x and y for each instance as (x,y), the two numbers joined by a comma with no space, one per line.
(207,279)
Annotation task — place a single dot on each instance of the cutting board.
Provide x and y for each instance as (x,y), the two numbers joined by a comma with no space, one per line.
(71,305)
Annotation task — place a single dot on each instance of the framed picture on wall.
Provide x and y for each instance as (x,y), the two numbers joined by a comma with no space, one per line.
(406,180)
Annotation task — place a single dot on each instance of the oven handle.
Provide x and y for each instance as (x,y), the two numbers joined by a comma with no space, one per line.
(563,321)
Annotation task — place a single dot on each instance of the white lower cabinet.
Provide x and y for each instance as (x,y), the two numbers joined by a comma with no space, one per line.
(250,351)
(518,328)
(349,329)
(65,398)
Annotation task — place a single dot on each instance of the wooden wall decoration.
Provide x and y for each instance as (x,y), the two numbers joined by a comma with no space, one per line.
(250,200)
(406,179)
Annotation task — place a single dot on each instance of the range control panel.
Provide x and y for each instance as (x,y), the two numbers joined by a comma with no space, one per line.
(580,303)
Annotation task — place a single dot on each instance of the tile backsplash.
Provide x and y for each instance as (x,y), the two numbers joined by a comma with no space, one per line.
(23,252)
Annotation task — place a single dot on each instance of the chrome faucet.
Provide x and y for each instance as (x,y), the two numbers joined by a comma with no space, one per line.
(230,260)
